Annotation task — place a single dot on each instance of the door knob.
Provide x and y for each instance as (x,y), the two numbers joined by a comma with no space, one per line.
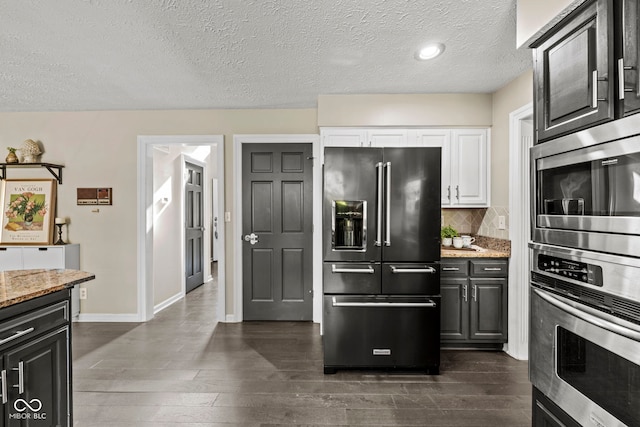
(251,238)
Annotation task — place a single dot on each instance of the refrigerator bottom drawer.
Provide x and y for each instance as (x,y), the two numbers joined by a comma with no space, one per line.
(380,332)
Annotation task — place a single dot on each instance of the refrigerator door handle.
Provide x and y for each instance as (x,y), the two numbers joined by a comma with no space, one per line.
(335,303)
(387,193)
(367,270)
(396,270)
(380,173)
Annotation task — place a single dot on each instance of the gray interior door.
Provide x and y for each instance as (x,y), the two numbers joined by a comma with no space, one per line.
(277,230)
(194,227)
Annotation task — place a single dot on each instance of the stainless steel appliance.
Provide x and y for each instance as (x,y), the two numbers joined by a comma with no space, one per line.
(381,273)
(586,189)
(585,336)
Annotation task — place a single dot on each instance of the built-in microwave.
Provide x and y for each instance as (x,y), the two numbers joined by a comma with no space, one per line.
(586,192)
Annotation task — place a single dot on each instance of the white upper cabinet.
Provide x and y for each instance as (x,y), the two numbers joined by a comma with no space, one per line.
(387,138)
(465,156)
(431,137)
(343,137)
(465,181)
(358,137)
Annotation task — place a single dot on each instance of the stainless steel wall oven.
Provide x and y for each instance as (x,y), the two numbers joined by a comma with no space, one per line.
(585,334)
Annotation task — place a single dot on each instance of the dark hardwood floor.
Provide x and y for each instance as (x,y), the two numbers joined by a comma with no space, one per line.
(184,369)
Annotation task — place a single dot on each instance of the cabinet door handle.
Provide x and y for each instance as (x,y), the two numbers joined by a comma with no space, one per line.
(594,89)
(3,385)
(621,69)
(18,334)
(449,192)
(464,293)
(475,293)
(492,269)
(20,370)
(450,269)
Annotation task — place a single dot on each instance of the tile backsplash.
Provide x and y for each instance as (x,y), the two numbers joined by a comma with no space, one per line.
(483,222)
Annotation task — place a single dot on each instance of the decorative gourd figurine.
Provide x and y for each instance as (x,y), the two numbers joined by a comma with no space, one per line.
(30,151)
(11,157)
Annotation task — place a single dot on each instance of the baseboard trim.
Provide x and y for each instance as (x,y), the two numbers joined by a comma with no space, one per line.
(230,318)
(124,318)
(166,303)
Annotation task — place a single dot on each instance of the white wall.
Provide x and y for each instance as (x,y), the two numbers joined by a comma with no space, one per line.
(99,149)
(467,109)
(167,208)
(534,17)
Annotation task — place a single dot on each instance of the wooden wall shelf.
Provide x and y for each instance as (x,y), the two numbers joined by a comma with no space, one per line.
(54,169)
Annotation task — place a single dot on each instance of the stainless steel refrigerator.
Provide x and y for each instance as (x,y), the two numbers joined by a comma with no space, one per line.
(381,244)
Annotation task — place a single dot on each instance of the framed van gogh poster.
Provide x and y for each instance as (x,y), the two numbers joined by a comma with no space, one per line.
(28,210)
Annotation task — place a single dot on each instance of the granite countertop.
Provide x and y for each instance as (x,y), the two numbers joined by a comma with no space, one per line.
(490,248)
(22,285)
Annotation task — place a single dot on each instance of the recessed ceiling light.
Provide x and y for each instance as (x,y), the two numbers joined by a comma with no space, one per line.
(430,51)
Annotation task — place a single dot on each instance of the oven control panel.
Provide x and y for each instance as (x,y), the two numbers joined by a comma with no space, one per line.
(575,270)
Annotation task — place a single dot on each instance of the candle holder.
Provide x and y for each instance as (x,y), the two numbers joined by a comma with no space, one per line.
(60,241)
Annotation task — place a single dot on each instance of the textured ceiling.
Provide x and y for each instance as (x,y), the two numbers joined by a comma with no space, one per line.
(74,55)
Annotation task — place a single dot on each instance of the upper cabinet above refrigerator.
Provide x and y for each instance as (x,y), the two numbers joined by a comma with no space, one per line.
(586,68)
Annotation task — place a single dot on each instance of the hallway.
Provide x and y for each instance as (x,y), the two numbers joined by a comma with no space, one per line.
(183,369)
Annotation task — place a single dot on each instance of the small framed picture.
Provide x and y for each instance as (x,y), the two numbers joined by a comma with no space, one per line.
(28,210)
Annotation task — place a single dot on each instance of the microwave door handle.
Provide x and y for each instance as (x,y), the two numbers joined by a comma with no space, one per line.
(387,193)
(590,315)
(379,202)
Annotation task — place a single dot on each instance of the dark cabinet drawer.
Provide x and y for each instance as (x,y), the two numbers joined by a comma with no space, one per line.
(489,268)
(454,267)
(32,324)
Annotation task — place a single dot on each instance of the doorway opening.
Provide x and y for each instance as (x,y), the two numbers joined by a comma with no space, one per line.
(162,171)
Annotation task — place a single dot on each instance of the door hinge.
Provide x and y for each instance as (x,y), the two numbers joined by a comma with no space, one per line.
(313,162)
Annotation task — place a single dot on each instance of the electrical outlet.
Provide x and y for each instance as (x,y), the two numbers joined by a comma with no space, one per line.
(502,224)
(83,293)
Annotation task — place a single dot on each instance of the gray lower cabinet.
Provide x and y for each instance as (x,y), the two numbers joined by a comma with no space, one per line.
(35,381)
(474,302)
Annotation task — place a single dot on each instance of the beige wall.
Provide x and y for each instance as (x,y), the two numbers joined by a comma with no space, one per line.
(514,95)
(534,17)
(469,109)
(99,149)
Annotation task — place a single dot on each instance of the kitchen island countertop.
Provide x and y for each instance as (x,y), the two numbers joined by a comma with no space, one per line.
(18,286)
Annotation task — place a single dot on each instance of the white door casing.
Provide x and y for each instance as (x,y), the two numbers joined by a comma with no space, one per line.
(520,141)
(145,306)
(238,140)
